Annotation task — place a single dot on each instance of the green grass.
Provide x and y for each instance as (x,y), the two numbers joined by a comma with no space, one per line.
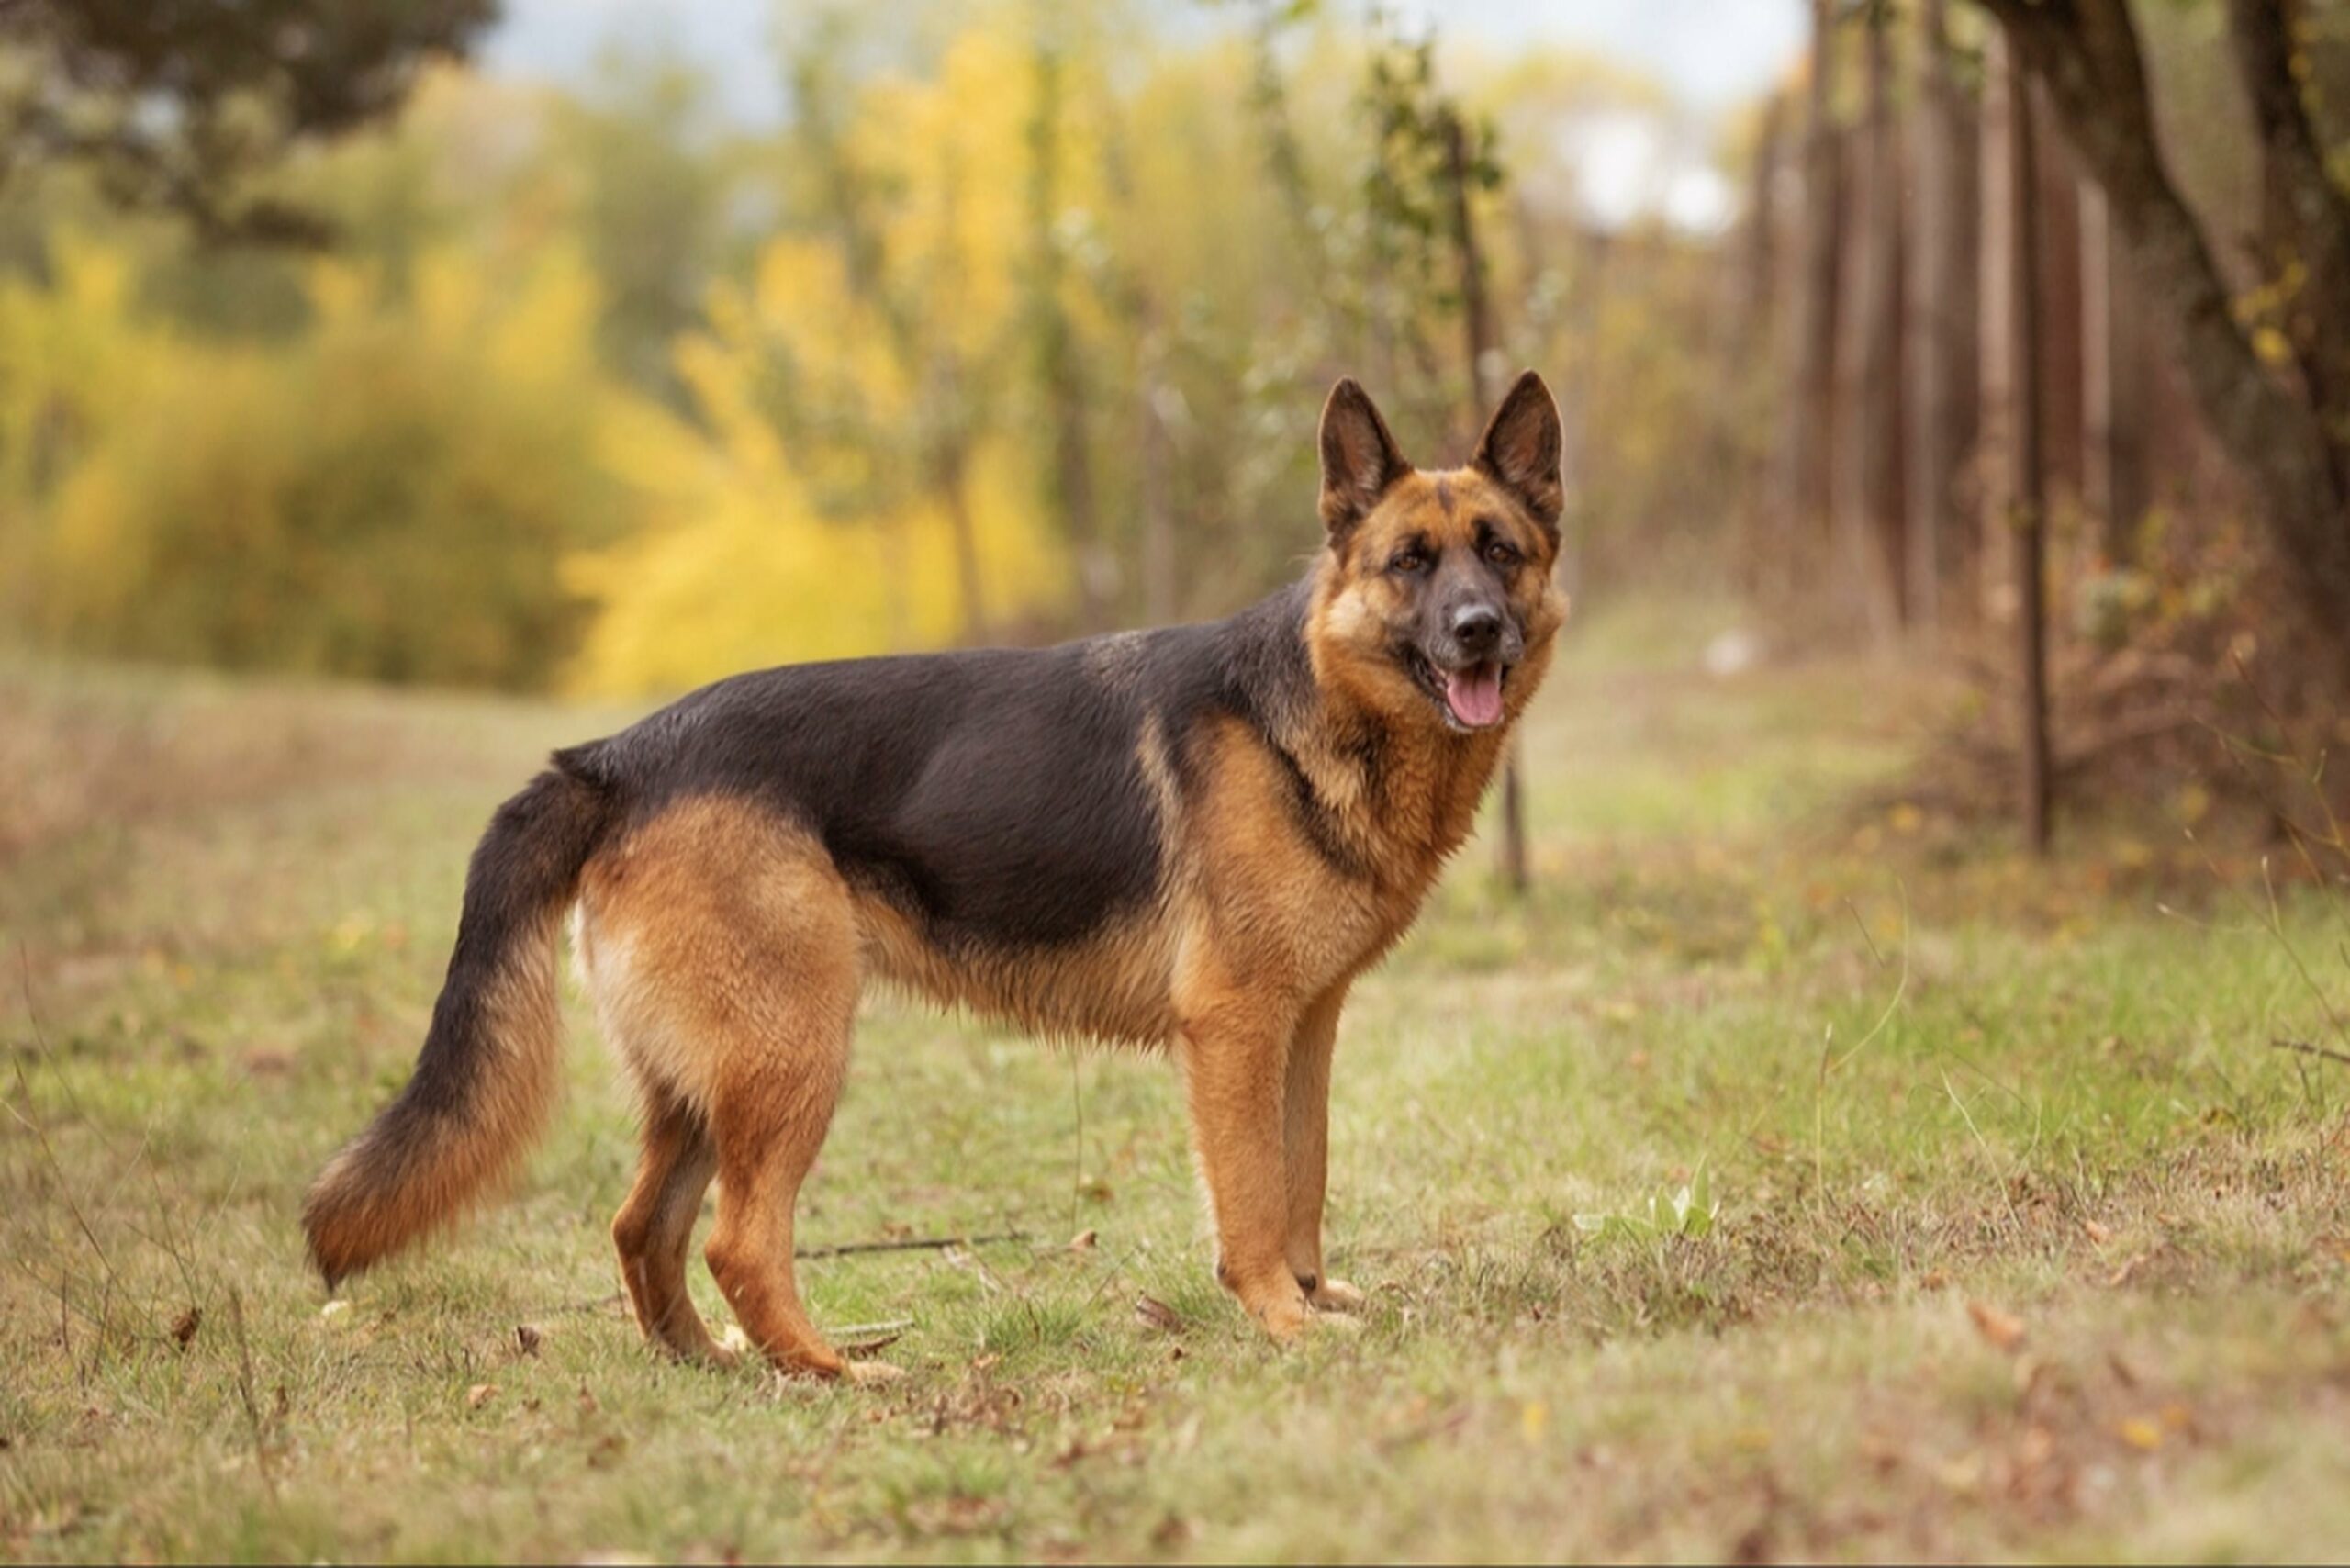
(1922,1078)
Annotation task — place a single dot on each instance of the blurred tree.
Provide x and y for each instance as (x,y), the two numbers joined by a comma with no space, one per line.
(2012,199)
(2115,373)
(1941,282)
(181,105)
(891,398)
(1061,372)
(2271,372)
(641,149)
(1865,489)
(1804,484)
(1756,332)
(391,499)
(1411,220)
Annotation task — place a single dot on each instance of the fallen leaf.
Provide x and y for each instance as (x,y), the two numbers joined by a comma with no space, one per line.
(480,1394)
(2139,1434)
(1533,1419)
(2096,1232)
(185,1325)
(529,1338)
(587,1401)
(334,1310)
(1934,1280)
(1152,1312)
(2004,1331)
(1083,1241)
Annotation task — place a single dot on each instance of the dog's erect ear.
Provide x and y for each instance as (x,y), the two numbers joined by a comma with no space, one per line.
(1358,459)
(1522,447)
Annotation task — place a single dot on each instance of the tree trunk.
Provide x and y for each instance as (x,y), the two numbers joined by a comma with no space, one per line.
(1477,324)
(1061,369)
(2305,216)
(1758,256)
(1160,600)
(2086,52)
(1811,340)
(2057,246)
(953,479)
(2018,322)
(1998,366)
(1867,445)
(1941,274)
(2114,383)
(1758,297)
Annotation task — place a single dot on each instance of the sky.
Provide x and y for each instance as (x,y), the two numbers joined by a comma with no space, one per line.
(1711,54)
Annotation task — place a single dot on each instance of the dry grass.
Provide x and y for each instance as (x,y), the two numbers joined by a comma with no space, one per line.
(2028,1243)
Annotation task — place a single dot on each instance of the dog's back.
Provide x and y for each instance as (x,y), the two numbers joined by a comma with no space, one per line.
(999,800)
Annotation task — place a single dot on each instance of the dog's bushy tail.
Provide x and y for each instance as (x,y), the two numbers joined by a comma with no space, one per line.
(486,1078)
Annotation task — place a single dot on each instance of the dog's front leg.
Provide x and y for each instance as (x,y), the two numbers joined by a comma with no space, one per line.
(1236,1049)
(1306,1151)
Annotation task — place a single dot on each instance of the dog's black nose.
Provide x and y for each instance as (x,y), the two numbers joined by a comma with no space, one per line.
(1476,627)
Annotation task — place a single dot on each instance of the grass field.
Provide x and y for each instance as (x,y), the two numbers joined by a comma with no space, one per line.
(2029,1243)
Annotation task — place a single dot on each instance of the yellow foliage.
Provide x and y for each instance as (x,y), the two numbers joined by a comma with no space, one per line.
(389,496)
(749,556)
(735,569)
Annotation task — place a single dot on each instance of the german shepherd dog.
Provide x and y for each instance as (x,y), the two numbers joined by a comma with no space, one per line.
(1193,838)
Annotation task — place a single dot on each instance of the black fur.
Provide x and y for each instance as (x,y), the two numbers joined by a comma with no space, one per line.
(995,796)
(526,865)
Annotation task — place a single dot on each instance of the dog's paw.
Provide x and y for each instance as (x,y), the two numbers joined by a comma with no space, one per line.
(1282,1317)
(1335,1295)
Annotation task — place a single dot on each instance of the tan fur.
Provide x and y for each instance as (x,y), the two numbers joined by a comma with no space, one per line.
(726,953)
(357,1216)
(722,948)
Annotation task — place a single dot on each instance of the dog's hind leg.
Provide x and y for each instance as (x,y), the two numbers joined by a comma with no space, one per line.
(777,998)
(654,1228)
(725,946)
(769,1112)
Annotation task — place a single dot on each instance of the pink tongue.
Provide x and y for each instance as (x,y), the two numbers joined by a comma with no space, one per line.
(1474,695)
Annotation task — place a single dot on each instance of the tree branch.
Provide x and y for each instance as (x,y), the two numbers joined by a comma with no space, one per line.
(2304,215)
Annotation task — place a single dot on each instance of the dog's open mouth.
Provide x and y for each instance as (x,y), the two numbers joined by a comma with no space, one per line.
(1471,697)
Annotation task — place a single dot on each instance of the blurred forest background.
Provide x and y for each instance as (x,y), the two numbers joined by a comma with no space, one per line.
(322,350)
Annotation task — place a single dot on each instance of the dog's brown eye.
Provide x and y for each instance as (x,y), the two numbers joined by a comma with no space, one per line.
(1502,554)
(1406,561)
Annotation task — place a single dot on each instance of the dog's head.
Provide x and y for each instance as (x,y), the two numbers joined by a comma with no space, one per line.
(1436,601)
